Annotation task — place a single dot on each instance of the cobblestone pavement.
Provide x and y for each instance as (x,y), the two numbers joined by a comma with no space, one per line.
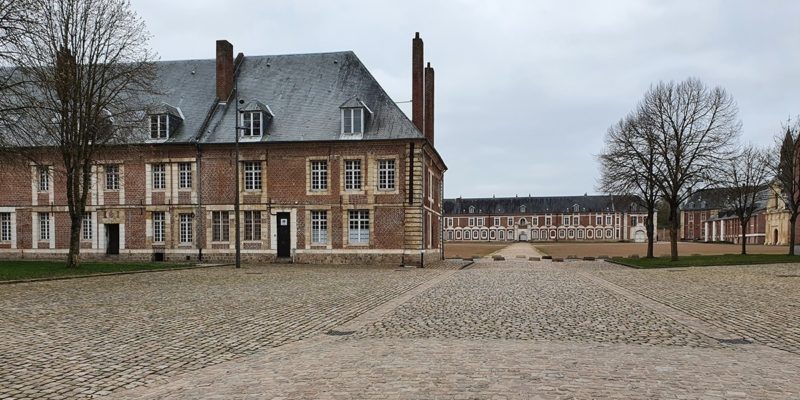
(759,302)
(76,338)
(487,332)
(499,329)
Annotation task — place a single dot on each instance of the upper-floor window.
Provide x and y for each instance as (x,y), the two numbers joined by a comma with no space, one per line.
(535,221)
(386,174)
(510,221)
(352,174)
(185,175)
(471,221)
(44,179)
(576,208)
(112,177)
(449,222)
(608,220)
(252,175)
(479,221)
(566,220)
(159,176)
(691,217)
(159,126)
(576,220)
(598,220)
(319,175)
(472,209)
(548,221)
(252,123)
(522,209)
(352,120)
(496,221)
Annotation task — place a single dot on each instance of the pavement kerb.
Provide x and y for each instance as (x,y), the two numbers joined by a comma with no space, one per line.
(60,278)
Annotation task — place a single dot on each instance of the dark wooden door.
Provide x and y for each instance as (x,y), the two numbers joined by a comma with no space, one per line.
(284,235)
(112,232)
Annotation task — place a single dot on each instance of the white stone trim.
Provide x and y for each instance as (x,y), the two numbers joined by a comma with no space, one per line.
(273,227)
(13,212)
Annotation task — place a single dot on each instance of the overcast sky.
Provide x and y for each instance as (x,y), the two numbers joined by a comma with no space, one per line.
(525,90)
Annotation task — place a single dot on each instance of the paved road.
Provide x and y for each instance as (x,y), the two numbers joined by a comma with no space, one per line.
(512,329)
(518,251)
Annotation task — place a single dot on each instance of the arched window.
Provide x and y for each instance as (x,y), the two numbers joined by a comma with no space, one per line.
(502,235)
(492,235)
(534,234)
(523,221)
(472,209)
(522,209)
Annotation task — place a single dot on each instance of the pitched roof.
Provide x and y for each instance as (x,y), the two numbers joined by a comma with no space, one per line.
(304,91)
(534,205)
(706,199)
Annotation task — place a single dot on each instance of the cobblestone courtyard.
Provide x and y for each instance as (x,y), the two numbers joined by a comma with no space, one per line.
(510,329)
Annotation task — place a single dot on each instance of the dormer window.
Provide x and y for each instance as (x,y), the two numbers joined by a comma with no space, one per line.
(159,126)
(252,122)
(472,209)
(522,209)
(352,120)
(354,116)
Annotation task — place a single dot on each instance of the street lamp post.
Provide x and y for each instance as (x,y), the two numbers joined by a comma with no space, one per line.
(236,130)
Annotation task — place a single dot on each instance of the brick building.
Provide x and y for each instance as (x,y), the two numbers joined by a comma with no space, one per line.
(701,206)
(566,218)
(331,170)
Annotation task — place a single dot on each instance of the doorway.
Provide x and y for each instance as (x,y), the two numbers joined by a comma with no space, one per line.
(112,239)
(775,237)
(284,235)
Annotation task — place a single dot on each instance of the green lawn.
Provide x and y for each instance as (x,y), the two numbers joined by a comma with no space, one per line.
(704,261)
(15,270)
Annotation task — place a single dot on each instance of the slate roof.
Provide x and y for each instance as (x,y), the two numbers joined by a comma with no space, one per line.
(705,199)
(304,92)
(540,205)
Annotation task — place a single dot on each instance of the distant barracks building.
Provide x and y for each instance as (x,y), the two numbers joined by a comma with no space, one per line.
(568,218)
(331,170)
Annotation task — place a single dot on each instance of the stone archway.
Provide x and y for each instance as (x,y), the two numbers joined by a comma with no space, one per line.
(523,236)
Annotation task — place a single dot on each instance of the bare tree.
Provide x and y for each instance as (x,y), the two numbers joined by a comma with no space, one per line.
(745,178)
(81,79)
(628,166)
(785,168)
(694,129)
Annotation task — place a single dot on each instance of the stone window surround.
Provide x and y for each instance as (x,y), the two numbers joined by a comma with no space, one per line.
(314,192)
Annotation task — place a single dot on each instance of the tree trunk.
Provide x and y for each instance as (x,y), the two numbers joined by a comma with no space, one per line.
(674,226)
(650,226)
(744,237)
(792,233)
(74,256)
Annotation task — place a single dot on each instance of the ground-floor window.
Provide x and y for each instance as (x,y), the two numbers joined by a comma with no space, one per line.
(492,235)
(534,234)
(589,234)
(501,234)
(186,233)
(580,233)
(5,227)
(562,234)
(220,226)
(609,234)
(44,226)
(458,235)
(475,235)
(598,234)
(359,226)
(319,227)
(510,235)
(571,233)
(449,235)
(86,227)
(553,234)
(158,226)
(252,225)
(484,235)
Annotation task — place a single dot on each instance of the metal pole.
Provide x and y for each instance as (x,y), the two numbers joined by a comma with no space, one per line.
(236,201)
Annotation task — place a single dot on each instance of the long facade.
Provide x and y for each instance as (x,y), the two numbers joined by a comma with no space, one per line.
(330,171)
(567,218)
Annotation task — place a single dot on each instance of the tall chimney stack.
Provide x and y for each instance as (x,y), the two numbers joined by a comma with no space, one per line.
(429,103)
(417,83)
(224,70)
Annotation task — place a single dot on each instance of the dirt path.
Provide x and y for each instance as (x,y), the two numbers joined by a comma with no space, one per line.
(518,250)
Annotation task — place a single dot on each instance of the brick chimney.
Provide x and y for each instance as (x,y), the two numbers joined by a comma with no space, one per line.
(417,83)
(224,70)
(429,103)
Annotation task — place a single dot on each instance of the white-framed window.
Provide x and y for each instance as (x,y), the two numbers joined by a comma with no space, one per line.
(471,222)
(359,226)
(252,225)
(566,220)
(510,235)
(484,234)
(548,221)
(534,234)
(220,226)
(479,221)
(386,174)
(159,176)
(86,227)
(496,221)
(44,226)
(501,235)
(576,220)
(510,221)
(598,220)
(352,174)
(553,234)
(252,175)
(159,126)
(44,178)
(5,227)
(472,209)
(608,220)
(449,221)
(112,176)
(319,227)
(492,235)
(691,217)
(466,235)
(576,208)
(186,231)
(589,233)
(352,120)
(571,233)
(523,221)
(535,221)
(158,226)
(319,175)
(475,234)
(562,234)
(609,234)
(252,122)
(598,234)
(580,233)
(522,209)
(185,175)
